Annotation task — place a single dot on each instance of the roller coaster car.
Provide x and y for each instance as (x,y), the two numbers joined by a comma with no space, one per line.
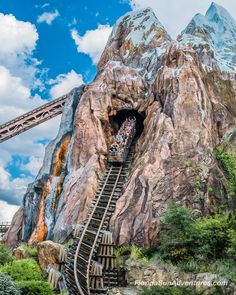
(120,147)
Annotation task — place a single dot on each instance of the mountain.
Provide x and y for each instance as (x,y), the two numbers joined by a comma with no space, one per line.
(185,106)
(213,36)
(138,40)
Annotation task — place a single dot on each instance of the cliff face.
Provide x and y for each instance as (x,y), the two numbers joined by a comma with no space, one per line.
(187,101)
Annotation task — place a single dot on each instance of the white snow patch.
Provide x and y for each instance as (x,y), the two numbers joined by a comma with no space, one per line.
(218,30)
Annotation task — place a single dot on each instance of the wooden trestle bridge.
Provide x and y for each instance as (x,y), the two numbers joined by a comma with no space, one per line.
(91,266)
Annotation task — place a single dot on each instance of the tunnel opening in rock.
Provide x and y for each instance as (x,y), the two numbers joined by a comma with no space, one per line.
(117,120)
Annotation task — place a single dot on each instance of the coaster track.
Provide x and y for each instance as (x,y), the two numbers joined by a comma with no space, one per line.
(4,226)
(86,261)
(32,118)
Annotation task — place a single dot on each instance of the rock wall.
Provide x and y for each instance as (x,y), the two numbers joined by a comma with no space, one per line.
(187,106)
(140,275)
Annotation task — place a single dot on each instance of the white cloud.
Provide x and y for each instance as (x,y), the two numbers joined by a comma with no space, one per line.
(45,5)
(12,86)
(4,178)
(18,70)
(93,42)
(7,211)
(16,37)
(18,40)
(15,98)
(175,15)
(12,190)
(65,82)
(48,17)
(35,163)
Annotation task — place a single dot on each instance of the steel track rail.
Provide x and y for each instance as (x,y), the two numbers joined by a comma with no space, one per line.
(32,118)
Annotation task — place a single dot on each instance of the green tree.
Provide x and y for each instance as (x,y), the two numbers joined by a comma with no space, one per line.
(5,255)
(7,286)
(213,237)
(177,236)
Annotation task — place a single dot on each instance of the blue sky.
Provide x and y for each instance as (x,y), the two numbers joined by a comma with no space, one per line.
(46,49)
(49,65)
(55,47)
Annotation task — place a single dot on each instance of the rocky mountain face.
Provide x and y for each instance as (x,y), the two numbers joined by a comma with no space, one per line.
(183,94)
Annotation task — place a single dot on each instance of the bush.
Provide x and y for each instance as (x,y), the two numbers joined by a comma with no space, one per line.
(5,255)
(7,286)
(23,270)
(183,238)
(35,288)
(223,267)
(213,237)
(135,253)
(217,236)
(177,236)
(228,162)
(191,265)
(122,251)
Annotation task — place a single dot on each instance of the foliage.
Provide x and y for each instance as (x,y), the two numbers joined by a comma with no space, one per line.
(228,162)
(177,236)
(122,251)
(35,288)
(225,268)
(5,255)
(183,238)
(169,291)
(191,265)
(23,270)
(213,238)
(217,236)
(67,245)
(7,286)
(29,250)
(231,250)
(135,253)
(222,267)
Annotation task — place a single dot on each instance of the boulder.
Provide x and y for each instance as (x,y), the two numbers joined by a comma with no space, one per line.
(48,255)
(20,253)
(14,233)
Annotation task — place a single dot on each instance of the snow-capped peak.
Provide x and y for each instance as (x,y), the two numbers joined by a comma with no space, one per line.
(217,31)
(138,40)
(141,26)
(218,13)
